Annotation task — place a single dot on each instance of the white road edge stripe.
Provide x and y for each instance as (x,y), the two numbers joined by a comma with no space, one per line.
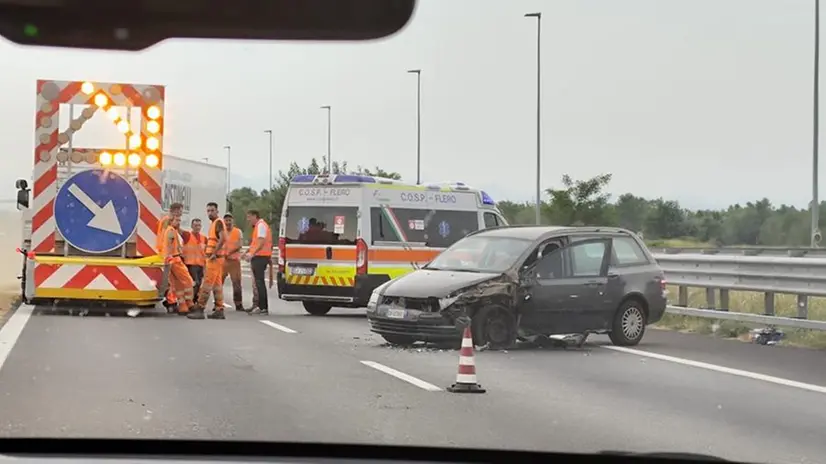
(722,369)
(278,327)
(402,376)
(10,332)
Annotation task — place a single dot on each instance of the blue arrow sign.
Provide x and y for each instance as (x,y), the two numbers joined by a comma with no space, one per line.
(96,211)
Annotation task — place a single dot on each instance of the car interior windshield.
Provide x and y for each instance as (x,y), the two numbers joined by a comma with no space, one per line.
(481,254)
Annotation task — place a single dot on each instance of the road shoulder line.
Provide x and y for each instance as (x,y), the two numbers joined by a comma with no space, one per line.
(11,330)
(278,326)
(722,369)
(402,376)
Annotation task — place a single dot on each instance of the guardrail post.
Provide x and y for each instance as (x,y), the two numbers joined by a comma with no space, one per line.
(710,304)
(682,295)
(724,300)
(768,304)
(802,307)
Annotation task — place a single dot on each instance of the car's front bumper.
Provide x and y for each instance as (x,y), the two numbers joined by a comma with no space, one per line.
(419,325)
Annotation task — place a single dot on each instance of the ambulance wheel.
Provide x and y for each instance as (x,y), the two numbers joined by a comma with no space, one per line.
(316,309)
(399,340)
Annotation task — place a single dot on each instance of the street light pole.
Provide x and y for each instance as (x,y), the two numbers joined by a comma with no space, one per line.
(329,131)
(538,17)
(815,206)
(269,132)
(229,169)
(418,73)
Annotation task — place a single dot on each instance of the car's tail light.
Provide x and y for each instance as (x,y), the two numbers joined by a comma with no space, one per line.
(361,257)
(282,253)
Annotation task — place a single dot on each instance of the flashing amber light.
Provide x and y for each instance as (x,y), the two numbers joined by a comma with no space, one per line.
(101,100)
(152,143)
(153,112)
(134,160)
(135,141)
(123,126)
(105,158)
(120,159)
(152,161)
(153,127)
(87,88)
(113,113)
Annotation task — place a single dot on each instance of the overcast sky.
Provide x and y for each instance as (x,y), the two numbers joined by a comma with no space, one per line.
(704,101)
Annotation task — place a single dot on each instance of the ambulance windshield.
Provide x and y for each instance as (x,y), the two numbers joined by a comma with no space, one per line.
(321,225)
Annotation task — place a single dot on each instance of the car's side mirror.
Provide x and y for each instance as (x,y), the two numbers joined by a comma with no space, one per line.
(22,198)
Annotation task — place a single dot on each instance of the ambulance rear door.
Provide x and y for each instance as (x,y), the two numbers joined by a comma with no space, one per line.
(322,224)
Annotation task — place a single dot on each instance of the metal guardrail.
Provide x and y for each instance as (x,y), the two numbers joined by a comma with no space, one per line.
(792,252)
(721,273)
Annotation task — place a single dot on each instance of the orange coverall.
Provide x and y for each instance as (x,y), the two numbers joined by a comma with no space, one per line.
(180,282)
(160,245)
(232,265)
(213,283)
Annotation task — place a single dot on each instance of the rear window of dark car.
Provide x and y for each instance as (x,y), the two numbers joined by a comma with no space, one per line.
(435,228)
(321,225)
(627,252)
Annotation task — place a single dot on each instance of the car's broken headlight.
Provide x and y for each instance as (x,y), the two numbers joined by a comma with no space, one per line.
(374,300)
(445,303)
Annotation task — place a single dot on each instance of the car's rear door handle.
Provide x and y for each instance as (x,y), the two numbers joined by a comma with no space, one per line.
(594,283)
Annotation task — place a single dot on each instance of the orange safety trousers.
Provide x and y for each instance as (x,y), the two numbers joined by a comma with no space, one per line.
(213,284)
(180,284)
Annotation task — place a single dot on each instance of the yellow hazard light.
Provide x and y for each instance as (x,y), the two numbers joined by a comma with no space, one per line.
(123,126)
(105,158)
(134,160)
(101,100)
(112,113)
(152,161)
(153,112)
(135,141)
(152,143)
(87,88)
(153,127)
(120,159)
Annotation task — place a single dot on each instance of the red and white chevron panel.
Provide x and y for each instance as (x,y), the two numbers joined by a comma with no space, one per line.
(48,141)
(94,277)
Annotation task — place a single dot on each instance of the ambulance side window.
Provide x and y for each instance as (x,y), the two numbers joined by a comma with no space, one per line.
(435,228)
(491,220)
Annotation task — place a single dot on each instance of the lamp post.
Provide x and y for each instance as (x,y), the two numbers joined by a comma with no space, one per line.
(538,17)
(329,131)
(229,168)
(418,73)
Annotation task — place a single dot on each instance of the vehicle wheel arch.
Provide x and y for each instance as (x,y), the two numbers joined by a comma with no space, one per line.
(634,296)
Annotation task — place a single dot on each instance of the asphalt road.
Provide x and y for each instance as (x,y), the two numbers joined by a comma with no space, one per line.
(329,379)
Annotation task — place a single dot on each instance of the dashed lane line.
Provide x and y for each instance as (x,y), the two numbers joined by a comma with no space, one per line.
(402,376)
(278,326)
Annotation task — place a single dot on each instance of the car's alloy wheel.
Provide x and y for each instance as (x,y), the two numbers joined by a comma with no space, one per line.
(628,326)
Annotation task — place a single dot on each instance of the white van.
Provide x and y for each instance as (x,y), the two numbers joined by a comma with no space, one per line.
(341,236)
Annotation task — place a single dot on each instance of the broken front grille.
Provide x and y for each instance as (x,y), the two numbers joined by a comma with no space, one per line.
(420,304)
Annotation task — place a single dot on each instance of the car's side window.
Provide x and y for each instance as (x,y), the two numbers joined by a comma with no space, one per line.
(581,259)
(627,252)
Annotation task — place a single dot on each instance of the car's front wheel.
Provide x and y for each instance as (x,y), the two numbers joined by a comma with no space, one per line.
(494,326)
(316,309)
(629,322)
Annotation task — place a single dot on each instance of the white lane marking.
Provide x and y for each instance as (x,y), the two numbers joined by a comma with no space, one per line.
(10,332)
(722,369)
(402,376)
(278,327)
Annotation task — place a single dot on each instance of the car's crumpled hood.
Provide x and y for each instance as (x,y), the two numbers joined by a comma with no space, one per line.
(424,283)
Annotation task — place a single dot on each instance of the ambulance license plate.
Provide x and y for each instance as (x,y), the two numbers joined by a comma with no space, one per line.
(302,271)
(396,313)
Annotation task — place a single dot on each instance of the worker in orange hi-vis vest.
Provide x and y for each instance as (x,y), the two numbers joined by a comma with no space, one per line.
(260,256)
(232,265)
(175,210)
(180,282)
(214,269)
(195,252)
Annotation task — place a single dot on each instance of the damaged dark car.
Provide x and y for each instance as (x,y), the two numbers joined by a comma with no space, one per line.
(519,283)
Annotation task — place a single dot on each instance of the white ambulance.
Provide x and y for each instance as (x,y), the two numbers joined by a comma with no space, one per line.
(341,236)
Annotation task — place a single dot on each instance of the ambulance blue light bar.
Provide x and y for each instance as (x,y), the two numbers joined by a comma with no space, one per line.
(486,199)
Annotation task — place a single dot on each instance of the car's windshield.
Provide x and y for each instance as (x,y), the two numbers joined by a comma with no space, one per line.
(481,253)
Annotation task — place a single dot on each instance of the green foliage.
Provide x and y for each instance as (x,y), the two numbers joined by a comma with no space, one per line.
(584,202)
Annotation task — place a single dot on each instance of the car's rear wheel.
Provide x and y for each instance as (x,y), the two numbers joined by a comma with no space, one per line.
(494,326)
(315,308)
(399,340)
(629,322)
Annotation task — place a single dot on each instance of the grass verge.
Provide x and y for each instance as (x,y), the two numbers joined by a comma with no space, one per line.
(746,302)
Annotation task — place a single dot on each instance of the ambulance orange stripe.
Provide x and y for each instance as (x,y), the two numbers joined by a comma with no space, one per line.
(397,255)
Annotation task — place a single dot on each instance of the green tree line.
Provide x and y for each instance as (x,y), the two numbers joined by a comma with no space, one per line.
(585,202)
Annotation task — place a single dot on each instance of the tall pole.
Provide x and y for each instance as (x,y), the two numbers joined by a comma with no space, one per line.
(816,132)
(329,131)
(269,132)
(418,73)
(538,17)
(229,168)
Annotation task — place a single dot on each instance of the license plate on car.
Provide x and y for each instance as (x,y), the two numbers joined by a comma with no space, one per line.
(396,313)
(305,271)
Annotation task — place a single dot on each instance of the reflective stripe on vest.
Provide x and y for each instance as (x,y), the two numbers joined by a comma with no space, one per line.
(194,254)
(212,238)
(266,249)
(232,240)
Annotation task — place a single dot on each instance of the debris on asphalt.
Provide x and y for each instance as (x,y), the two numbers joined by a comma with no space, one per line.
(766,336)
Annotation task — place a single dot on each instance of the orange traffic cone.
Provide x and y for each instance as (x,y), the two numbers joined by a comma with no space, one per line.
(466,377)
